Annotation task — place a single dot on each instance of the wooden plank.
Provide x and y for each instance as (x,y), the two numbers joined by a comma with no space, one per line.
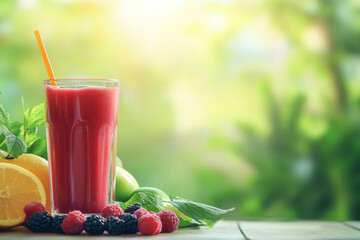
(309,230)
(355,225)
(225,230)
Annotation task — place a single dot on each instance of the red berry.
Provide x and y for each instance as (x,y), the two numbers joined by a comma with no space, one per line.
(32,208)
(169,220)
(140,212)
(73,223)
(113,210)
(158,230)
(151,212)
(149,224)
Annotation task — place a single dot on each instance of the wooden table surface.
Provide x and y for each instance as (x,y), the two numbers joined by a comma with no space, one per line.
(243,230)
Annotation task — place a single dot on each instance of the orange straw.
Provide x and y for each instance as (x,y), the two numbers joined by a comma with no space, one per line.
(45,57)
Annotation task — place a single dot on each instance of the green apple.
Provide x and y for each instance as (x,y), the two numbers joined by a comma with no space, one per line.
(125,185)
(157,191)
(119,162)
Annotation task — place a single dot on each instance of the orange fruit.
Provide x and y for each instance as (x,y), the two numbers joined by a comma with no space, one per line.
(39,167)
(18,187)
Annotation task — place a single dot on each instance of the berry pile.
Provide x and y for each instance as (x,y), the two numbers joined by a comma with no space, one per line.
(113,220)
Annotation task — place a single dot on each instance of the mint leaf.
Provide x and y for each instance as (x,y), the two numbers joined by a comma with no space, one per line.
(38,148)
(203,214)
(4,116)
(30,136)
(16,137)
(15,146)
(150,201)
(16,128)
(34,117)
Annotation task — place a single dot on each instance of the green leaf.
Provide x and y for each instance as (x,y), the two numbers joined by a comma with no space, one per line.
(15,146)
(4,116)
(205,214)
(38,148)
(150,201)
(16,128)
(2,140)
(30,136)
(34,117)
(190,213)
(191,223)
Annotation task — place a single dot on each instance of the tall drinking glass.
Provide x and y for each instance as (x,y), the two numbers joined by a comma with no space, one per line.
(81,126)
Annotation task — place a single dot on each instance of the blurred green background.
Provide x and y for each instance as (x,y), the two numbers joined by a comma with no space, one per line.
(246,104)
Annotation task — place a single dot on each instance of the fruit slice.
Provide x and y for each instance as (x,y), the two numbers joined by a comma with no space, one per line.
(39,167)
(18,187)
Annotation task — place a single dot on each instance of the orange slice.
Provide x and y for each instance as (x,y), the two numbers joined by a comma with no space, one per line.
(18,187)
(39,167)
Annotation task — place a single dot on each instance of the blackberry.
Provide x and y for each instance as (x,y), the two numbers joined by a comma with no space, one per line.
(95,225)
(40,222)
(115,226)
(132,208)
(131,223)
(56,224)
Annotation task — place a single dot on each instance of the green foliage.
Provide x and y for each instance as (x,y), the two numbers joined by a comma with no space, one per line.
(201,214)
(190,101)
(19,137)
(150,201)
(15,146)
(198,214)
(34,117)
(4,117)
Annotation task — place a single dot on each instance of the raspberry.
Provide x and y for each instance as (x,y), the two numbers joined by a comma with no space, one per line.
(131,223)
(40,222)
(56,224)
(151,212)
(111,210)
(169,220)
(150,224)
(94,225)
(158,230)
(140,212)
(73,223)
(32,208)
(132,208)
(115,226)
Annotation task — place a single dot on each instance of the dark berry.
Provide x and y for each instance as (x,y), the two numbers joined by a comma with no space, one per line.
(40,222)
(169,220)
(150,224)
(131,223)
(95,225)
(115,226)
(111,210)
(132,208)
(32,208)
(56,224)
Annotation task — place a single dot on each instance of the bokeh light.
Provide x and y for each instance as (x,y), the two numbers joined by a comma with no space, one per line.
(246,104)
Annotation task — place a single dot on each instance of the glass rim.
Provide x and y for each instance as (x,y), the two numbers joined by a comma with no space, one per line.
(83,82)
(111,80)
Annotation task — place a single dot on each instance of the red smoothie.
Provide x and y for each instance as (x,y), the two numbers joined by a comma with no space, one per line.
(81,128)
